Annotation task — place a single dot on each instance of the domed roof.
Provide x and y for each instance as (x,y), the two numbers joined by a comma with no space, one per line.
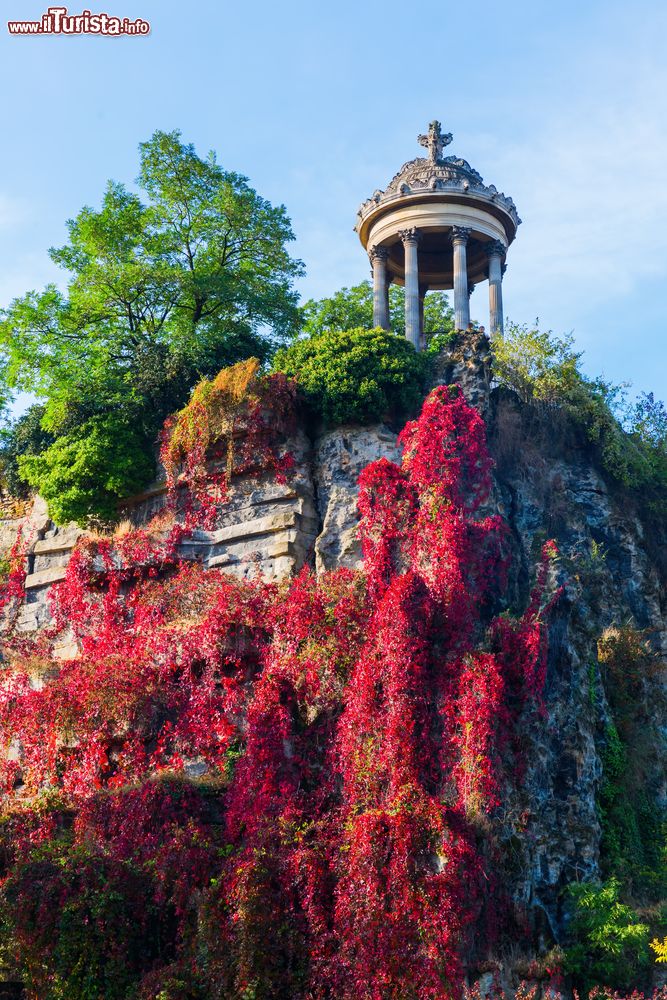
(437,173)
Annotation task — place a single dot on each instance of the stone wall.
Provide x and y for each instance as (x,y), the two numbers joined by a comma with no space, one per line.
(265,529)
(338,459)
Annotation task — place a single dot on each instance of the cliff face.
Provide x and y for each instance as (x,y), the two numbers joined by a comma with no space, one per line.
(546,486)
(612,575)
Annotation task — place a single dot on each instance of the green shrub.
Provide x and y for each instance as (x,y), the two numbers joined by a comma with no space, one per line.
(355,376)
(609,942)
(83,923)
(542,368)
(84,473)
(633,844)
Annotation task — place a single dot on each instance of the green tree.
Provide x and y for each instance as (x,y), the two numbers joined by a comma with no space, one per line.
(352,308)
(536,364)
(24,436)
(165,287)
(609,942)
(355,376)
(84,474)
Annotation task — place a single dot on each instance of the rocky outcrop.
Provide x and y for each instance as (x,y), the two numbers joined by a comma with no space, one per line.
(467,361)
(547,485)
(338,459)
(611,573)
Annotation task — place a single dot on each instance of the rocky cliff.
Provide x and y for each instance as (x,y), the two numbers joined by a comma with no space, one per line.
(611,570)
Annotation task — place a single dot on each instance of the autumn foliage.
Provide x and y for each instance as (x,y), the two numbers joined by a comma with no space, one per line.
(250,790)
(235,417)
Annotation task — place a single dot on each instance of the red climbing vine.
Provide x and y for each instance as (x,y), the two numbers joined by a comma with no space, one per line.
(291,774)
(229,427)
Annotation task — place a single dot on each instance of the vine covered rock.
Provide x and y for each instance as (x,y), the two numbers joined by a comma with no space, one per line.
(353,734)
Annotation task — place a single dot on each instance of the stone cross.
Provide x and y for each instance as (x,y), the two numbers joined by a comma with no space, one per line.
(435,141)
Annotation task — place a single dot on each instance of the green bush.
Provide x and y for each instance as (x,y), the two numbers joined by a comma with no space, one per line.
(633,824)
(84,473)
(609,942)
(631,443)
(83,922)
(355,376)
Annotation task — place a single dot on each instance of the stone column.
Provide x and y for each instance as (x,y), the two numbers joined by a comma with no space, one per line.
(495,252)
(378,257)
(422,336)
(459,237)
(410,238)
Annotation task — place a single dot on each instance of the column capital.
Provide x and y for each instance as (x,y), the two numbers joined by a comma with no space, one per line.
(378,253)
(471,288)
(460,234)
(496,248)
(409,235)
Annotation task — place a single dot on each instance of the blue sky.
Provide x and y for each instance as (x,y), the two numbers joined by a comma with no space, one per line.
(562,106)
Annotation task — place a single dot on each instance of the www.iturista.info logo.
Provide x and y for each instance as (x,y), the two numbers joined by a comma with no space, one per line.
(56,21)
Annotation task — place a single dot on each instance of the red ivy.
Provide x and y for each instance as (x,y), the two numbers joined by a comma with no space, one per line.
(353,726)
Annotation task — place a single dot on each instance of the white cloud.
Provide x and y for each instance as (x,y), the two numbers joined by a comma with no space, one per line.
(590,185)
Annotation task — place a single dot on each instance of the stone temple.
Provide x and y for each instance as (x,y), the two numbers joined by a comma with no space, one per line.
(437,225)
